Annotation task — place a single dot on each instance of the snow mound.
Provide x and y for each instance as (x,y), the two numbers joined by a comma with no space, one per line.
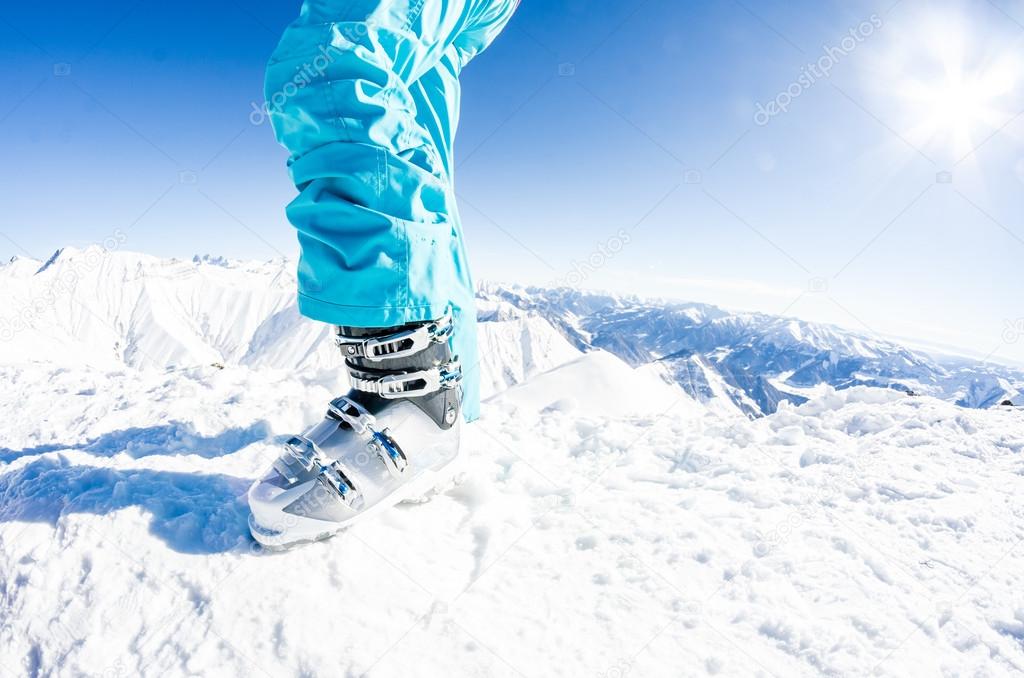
(602,386)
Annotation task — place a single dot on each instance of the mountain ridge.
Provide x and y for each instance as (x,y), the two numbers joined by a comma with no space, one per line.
(120,307)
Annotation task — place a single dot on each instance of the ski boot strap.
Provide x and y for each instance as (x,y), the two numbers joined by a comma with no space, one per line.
(394,345)
(413,384)
(413,361)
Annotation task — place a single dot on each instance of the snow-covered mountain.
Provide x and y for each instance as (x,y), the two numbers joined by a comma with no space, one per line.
(756,360)
(114,309)
(122,308)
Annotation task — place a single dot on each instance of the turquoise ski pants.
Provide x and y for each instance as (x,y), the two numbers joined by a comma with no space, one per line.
(364,94)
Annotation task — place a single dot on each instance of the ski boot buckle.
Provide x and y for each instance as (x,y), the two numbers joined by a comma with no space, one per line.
(363,423)
(302,455)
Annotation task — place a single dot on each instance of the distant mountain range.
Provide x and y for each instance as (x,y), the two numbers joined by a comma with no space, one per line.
(129,309)
(751,359)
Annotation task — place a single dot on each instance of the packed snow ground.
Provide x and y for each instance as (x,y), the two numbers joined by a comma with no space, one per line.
(602,524)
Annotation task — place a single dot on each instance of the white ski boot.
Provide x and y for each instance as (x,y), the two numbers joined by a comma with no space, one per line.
(385,441)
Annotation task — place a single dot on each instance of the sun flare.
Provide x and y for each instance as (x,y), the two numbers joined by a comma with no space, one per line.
(957,108)
(952,82)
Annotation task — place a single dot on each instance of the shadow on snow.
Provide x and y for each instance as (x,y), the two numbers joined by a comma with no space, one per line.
(192,513)
(175,438)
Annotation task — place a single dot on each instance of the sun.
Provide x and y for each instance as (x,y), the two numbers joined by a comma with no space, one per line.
(952,83)
(957,108)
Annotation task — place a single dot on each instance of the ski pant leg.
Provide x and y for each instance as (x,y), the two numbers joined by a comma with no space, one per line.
(370,152)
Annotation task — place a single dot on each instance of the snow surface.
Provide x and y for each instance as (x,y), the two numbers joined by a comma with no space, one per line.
(603,522)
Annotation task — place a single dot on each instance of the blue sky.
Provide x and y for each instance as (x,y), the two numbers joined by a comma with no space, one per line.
(628,146)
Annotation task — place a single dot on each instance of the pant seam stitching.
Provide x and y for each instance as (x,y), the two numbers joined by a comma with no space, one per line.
(388,308)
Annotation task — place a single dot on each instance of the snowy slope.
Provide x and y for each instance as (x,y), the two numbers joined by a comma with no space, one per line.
(604,524)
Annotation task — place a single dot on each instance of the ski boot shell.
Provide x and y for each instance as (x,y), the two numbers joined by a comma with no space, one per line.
(390,438)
